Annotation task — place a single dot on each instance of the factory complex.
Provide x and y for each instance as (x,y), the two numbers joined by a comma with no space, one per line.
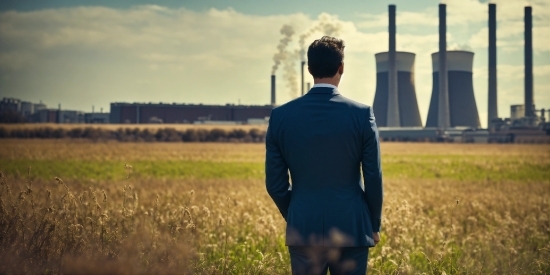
(452,114)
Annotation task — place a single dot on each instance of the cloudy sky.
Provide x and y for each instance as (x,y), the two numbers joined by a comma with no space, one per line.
(84,53)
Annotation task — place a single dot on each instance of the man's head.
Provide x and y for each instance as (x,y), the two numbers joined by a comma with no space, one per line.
(325,57)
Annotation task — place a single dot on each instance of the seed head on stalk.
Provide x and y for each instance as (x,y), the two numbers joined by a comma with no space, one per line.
(128,169)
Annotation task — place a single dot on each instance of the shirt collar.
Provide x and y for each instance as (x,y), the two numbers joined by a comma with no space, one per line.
(324,87)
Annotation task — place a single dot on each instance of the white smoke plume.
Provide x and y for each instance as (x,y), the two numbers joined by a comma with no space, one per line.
(290,74)
(287,31)
(325,25)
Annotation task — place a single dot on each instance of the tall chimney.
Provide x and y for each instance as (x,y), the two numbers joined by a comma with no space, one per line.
(529,63)
(308,86)
(393,101)
(272,90)
(444,118)
(493,106)
(59,120)
(303,65)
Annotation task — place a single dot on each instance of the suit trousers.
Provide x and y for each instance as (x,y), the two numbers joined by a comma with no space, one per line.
(313,260)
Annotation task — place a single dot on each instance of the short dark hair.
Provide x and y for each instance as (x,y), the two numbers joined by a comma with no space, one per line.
(324,56)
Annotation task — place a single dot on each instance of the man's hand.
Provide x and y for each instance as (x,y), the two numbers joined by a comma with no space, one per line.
(376,237)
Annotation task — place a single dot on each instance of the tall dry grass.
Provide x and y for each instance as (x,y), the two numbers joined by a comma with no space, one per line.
(139,224)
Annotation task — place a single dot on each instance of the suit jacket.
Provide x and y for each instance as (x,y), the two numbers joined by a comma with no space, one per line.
(322,140)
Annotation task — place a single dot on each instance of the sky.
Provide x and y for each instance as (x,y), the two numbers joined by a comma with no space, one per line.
(90,53)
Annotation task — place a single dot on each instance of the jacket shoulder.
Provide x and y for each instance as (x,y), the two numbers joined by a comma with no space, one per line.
(356,105)
(286,106)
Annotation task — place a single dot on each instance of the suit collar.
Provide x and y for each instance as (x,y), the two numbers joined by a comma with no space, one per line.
(323,89)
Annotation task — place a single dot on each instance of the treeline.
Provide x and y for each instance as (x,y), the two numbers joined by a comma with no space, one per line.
(137,134)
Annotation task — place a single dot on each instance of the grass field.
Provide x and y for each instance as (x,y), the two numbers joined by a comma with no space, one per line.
(202,208)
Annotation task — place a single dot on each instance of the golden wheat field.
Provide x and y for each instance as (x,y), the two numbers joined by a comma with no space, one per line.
(81,207)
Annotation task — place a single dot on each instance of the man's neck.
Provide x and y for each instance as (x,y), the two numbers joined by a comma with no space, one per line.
(328,80)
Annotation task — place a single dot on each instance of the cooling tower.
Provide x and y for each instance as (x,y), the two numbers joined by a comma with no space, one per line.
(409,115)
(529,108)
(493,106)
(273,90)
(462,103)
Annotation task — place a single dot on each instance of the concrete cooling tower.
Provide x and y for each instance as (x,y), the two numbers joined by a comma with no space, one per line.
(462,103)
(409,115)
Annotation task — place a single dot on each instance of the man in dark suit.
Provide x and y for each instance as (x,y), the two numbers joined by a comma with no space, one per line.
(322,140)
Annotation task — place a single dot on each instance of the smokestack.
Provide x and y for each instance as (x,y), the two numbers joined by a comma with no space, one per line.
(393,102)
(303,65)
(528,63)
(93,109)
(272,90)
(308,86)
(493,106)
(444,118)
(59,113)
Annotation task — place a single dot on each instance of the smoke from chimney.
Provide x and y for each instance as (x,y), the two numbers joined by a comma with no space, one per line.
(290,75)
(287,31)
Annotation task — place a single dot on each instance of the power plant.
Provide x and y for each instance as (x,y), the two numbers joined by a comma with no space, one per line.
(452,113)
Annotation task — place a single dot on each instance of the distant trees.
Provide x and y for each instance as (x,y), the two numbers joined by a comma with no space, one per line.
(139,135)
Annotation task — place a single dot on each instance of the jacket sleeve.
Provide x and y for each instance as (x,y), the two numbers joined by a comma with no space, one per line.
(372,171)
(276,172)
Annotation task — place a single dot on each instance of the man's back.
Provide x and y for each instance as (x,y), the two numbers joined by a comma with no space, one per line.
(322,138)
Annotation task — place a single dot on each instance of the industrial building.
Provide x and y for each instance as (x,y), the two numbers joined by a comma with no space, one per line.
(187,113)
(39,113)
